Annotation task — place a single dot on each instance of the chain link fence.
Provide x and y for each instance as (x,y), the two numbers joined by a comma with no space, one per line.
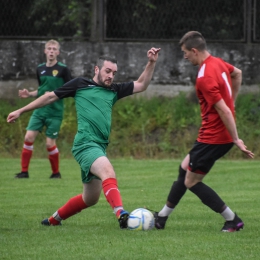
(136,20)
(36,19)
(169,20)
(256,21)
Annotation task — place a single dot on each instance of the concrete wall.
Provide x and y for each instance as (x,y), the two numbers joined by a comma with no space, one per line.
(19,59)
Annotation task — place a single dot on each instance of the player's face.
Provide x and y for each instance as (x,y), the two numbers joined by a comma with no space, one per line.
(105,75)
(190,55)
(52,51)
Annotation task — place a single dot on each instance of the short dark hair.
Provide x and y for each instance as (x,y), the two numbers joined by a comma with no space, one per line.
(193,39)
(101,59)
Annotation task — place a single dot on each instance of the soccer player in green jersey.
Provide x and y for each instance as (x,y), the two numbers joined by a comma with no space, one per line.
(51,75)
(94,99)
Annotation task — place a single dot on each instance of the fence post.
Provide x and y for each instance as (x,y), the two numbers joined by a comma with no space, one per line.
(249,22)
(97,21)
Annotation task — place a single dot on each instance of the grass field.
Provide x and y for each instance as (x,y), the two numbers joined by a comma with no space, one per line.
(192,231)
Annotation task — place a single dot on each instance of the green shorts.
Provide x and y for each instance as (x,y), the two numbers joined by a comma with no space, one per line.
(37,123)
(85,154)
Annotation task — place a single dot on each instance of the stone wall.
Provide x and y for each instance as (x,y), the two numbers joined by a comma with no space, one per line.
(19,59)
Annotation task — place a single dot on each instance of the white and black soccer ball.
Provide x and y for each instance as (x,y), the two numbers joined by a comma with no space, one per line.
(140,219)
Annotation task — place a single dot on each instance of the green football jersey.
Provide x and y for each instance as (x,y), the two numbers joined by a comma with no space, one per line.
(51,78)
(94,107)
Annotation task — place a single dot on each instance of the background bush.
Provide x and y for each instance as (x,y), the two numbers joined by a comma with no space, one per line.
(141,128)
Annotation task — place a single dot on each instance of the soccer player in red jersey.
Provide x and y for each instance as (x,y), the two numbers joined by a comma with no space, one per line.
(217,87)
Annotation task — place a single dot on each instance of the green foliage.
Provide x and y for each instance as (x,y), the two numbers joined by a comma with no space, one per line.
(12,135)
(192,231)
(159,127)
(152,126)
(248,121)
(70,19)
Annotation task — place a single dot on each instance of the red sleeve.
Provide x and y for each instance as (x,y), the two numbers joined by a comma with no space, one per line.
(229,67)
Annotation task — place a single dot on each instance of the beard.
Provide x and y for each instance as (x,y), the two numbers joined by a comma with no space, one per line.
(102,82)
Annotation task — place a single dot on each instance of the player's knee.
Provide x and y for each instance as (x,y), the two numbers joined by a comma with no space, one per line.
(91,200)
(29,139)
(107,175)
(48,146)
(50,143)
(30,136)
(189,183)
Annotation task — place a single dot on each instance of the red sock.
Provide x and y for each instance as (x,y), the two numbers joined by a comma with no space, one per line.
(53,221)
(26,156)
(54,158)
(72,207)
(112,193)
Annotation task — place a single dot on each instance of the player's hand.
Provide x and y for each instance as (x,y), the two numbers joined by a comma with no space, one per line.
(13,116)
(24,93)
(152,54)
(240,144)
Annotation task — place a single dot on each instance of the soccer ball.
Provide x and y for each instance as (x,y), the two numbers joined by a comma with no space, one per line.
(140,219)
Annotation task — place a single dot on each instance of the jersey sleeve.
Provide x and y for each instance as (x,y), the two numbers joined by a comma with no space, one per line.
(124,89)
(67,74)
(229,66)
(38,77)
(68,89)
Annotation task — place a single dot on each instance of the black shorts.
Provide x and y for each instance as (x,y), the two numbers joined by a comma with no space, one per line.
(203,156)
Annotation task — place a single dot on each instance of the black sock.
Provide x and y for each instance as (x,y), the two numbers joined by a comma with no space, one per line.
(178,188)
(208,196)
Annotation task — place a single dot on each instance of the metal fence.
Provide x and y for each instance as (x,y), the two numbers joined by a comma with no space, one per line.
(256,21)
(136,20)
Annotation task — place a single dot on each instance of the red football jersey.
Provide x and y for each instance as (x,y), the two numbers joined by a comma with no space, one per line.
(213,83)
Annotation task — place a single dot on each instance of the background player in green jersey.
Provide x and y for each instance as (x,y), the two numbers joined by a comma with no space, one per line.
(94,99)
(51,75)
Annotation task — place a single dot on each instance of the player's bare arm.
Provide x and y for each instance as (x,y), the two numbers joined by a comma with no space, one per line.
(43,100)
(145,78)
(229,121)
(25,93)
(236,79)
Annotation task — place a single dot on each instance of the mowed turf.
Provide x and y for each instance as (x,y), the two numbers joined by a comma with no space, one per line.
(192,231)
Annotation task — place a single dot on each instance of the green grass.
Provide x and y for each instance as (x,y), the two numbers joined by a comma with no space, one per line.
(192,231)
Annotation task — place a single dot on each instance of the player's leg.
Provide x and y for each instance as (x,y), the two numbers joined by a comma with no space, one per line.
(202,158)
(211,199)
(95,166)
(89,197)
(103,169)
(53,155)
(26,154)
(52,131)
(207,195)
(177,191)
(35,126)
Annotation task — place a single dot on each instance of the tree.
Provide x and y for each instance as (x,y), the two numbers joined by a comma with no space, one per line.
(69,18)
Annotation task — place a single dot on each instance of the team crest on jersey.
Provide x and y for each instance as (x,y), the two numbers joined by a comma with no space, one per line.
(54,73)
